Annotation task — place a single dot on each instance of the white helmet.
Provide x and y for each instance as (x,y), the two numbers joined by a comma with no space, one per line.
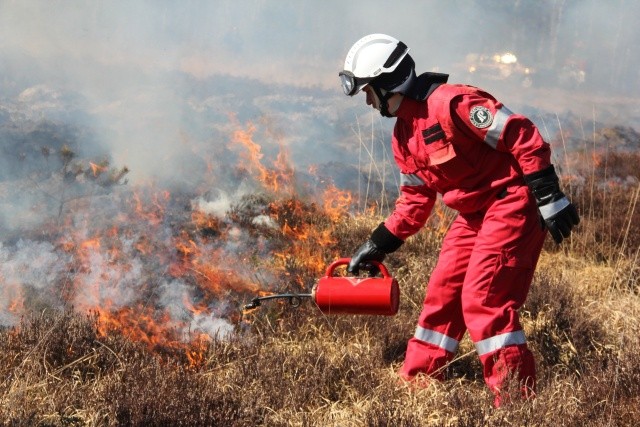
(373,56)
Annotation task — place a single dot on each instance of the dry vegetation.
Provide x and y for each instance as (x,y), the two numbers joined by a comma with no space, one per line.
(289,366)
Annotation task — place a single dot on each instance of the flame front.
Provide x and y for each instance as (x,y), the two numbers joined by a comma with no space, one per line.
(160,269)
(277,179)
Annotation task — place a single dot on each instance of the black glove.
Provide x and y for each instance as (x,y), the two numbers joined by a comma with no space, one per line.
(381,243)
(365,253)
(557,212)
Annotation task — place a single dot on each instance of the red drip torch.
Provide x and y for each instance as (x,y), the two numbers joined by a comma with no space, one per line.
(347,295)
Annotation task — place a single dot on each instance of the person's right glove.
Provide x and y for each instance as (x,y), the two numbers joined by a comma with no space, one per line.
(361,259)
(381,243)
(557,212)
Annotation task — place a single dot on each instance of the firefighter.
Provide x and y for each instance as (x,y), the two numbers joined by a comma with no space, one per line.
(493,167)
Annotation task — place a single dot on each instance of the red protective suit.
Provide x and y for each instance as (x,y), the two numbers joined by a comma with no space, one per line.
(465,145)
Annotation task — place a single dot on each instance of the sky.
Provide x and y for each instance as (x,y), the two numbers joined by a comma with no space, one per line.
(142,72)
(305,41)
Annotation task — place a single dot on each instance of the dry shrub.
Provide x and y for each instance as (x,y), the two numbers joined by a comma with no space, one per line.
(607,199)
(559,330)
(298,367)
(289,366)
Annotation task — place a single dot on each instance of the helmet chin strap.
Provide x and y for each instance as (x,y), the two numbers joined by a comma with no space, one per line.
(384,101)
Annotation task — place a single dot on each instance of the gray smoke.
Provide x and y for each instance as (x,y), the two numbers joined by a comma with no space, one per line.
(160,88)
(155,79)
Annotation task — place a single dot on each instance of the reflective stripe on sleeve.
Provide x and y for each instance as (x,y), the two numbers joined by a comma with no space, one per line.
(410,180)
(489,345)
(437,339)
(497,126)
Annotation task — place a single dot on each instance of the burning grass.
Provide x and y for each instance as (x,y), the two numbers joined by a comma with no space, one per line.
(286,366)
(129,314)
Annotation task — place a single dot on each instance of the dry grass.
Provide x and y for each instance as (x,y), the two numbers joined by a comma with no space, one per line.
(297,367)
(287,366)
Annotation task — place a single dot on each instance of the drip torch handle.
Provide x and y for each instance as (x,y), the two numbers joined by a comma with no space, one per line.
(345,261)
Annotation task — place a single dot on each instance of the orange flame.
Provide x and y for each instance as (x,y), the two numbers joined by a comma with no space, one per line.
(336,202)
(97,169)
(205,258)
(197,350)
(16,305)
(441,217)
(277,179)
(138,323)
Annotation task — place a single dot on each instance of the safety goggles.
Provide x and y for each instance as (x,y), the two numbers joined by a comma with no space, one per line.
(352,84)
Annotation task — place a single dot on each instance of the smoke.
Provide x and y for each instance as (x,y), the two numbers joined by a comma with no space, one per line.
(28,268)
(222,202)
(173,296)
(105,283)
(159,87)
(151,75)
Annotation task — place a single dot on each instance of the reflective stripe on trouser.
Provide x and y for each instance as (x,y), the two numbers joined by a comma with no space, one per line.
(494,343)
(436,338)
(480,281)
(428,352)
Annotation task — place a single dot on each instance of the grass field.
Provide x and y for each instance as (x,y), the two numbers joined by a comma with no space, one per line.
(287,366)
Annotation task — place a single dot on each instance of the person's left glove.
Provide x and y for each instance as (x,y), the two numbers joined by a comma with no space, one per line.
(557,212)
(376,248)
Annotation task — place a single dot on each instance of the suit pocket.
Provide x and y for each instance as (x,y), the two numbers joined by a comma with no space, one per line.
(430,147)
(510,283)
(440,152)
(436,147)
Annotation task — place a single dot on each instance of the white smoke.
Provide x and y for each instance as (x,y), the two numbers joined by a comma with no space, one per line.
(159,87)
(108,284)
(214,327)
(173,297)
(28,269)
(222,202)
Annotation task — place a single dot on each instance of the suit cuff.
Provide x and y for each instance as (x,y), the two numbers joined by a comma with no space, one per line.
(548,173)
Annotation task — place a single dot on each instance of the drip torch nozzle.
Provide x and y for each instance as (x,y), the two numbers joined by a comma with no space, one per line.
(255,303)
(293,299)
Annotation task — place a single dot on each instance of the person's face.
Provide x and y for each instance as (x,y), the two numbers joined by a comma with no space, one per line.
(372,98)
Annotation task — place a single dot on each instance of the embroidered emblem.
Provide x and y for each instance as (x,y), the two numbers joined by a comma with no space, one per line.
(481,117)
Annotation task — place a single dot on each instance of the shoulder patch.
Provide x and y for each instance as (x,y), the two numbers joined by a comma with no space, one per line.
(481,117)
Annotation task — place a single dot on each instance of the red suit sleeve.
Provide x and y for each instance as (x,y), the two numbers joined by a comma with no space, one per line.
(412,210)
(489,120)
(416,198)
